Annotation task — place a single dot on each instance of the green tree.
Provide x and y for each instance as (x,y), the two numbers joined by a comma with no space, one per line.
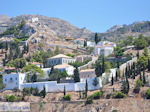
(98,69)
(103,65)
(144,80)
(140,42)
(33,69)
(118,51)
(85,43)
(43,92)
(76,75)
(86,89)
(112,80)
(57,51)
(64,91)
(95,82)
(145,52)
(34,78)
(96,38)
(6,46)
(148,65)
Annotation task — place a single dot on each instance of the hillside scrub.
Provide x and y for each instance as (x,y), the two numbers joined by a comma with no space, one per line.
(119,94)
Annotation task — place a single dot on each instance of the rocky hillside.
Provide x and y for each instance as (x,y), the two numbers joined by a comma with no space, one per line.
(60,27)
(119,32)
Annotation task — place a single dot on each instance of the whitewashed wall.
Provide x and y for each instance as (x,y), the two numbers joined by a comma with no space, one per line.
(52,86)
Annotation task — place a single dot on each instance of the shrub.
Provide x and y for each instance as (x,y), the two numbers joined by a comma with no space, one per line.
(147,94)
(137,86)
(67,97)
(97,94)
(11,98)
(108,96)
(89,100)
(119,94)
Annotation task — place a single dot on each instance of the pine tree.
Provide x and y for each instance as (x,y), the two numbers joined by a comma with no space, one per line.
(27,49)
(34,78)
(76,75)
(86,88)
(64,90)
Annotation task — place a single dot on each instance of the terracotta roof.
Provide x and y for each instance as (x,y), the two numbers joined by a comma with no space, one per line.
(9,68)
(60,56)
(88,70)
(61,66)
(82,39)
(36,63)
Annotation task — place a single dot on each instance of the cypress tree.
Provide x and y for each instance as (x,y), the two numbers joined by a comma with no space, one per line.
(144,81)
(112,80)
(86,88)
(134,71)
(116,75)
(140,74)
(96,38)
(103,65)
(6,46)
(148,65)
(138,54)
(64,90)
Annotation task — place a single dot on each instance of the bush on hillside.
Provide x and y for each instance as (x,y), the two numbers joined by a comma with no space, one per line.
(67,97)
(119,94)
(11,98)
(137,86)
(97,94)
(147,94)
(89,100)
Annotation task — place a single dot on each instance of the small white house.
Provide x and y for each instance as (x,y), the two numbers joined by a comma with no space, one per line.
(33,20)
(104,48)
(65,67)
(79,41)
(88,73)
(13,80)
(90,44)
(60,59)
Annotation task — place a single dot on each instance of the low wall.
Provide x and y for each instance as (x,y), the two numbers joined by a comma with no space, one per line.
(53,86)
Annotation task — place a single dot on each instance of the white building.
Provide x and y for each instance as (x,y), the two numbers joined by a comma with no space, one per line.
(79,41)
(33,20)
(104,48)
(37,64)
(90,44)
(88,73)
(65,67)
(60,59)
(17,80)
(13,80)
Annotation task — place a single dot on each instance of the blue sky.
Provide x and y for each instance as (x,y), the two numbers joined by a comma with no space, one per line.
(96,15)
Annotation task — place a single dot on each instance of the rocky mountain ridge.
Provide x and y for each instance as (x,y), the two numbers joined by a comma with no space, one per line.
(58,26)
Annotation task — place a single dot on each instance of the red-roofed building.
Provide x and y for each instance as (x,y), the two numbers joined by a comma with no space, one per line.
(37,64)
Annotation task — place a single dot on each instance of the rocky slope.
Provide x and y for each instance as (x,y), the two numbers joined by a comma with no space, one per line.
(119,32)
(59,27)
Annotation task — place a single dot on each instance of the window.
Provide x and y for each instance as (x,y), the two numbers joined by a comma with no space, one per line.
(16,83)
(5,80)
(16,78)
(11,79)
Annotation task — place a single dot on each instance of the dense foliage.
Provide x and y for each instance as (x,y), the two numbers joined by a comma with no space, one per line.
(119,95)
